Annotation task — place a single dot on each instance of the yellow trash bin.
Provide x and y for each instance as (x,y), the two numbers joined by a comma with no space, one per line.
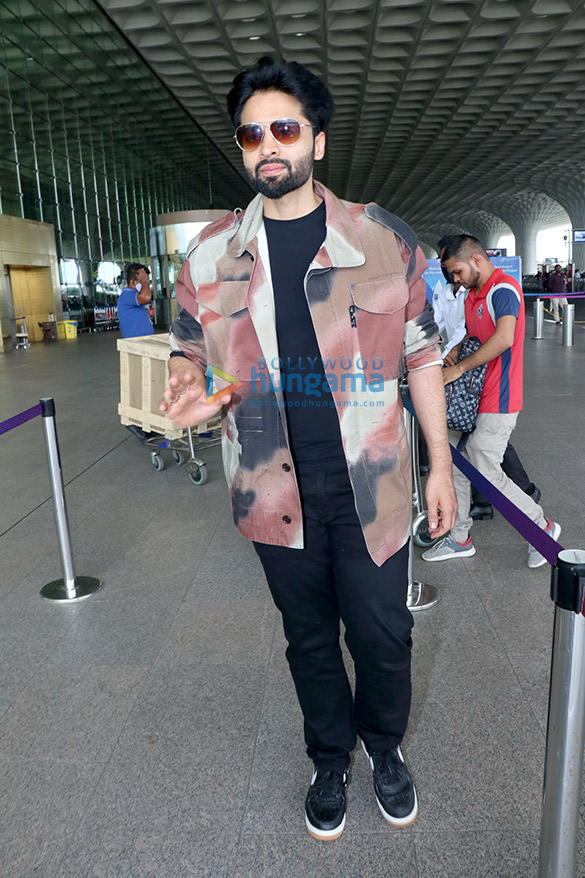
(70,328)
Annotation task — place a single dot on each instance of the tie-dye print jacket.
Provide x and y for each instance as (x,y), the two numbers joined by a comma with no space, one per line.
(368,306)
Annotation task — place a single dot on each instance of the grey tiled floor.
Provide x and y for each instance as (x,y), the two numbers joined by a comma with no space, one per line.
(153,730)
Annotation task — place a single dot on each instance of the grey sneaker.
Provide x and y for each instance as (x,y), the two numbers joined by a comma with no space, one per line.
(449,548)
(535,559)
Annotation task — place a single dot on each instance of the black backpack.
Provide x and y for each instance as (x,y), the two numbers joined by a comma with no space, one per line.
(463,395)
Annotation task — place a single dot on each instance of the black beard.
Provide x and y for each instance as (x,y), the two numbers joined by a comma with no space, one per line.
(277,187)
(474,279)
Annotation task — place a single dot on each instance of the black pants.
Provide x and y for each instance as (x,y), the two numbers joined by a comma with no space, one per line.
(334,578)
(512,466)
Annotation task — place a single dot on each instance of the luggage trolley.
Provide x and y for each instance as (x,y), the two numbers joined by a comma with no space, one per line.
(420,521)
(420,595)
(143,378)
(419,513)
(184,451)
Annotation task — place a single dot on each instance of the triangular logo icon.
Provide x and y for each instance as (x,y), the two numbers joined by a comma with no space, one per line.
(218,383)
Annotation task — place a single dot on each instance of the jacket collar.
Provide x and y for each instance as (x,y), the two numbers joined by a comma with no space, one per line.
(342,247)
(247,229)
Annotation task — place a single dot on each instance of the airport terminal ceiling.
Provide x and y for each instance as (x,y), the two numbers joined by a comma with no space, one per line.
(454,115)
(447,112)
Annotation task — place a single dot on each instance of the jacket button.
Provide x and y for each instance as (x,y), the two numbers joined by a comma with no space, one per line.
(286,467)
(287,519)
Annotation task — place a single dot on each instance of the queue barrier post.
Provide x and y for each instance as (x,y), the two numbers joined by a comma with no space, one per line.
(70,588)
(563,770)
(420,595)
(538,312)
(568,325)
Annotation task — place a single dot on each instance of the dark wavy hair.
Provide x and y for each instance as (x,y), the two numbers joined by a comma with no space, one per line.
(133,270)
(444,242)
(286,76)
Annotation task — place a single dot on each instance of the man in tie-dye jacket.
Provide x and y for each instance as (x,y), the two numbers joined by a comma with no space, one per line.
(317,307)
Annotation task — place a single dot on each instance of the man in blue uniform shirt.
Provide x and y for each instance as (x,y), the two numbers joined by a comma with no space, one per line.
(133,314)
(132,301)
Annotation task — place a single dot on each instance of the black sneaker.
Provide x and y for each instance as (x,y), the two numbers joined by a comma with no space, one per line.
(534,493)
(325,804)
(481,512)
(393,785)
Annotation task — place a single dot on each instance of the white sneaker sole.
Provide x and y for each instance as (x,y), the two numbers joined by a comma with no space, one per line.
(399,821)
(465,553)
(325,834)
(555,534)
(394,821)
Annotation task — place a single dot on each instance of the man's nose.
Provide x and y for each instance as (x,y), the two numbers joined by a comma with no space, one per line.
(269,146)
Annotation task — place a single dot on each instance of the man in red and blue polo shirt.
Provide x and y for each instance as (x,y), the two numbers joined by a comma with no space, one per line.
(494,313)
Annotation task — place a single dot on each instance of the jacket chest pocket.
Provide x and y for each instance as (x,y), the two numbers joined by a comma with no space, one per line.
(230,337)
(378,317)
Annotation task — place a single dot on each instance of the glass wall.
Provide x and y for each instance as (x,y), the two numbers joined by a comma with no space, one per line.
(94,142)
(168,249)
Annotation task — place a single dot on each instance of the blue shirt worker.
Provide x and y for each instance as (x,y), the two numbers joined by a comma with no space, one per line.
(133,315)
(132,301)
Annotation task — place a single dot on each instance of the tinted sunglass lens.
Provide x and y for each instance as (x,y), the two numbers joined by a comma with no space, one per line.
(249,136)
(286,131)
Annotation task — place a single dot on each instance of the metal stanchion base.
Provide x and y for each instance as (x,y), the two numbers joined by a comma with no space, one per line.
(421,596)
(57,590)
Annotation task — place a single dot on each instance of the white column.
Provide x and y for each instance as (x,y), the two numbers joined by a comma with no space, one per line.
(525,234)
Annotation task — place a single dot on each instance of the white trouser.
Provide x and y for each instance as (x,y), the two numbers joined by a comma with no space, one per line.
(555,306)
(485,450)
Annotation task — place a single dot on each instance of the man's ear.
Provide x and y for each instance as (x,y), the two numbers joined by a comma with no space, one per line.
(319,146)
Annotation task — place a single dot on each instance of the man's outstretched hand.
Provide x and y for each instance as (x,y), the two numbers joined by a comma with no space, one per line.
(184,400)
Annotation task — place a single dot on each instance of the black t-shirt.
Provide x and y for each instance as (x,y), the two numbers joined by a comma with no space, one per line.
(313,424)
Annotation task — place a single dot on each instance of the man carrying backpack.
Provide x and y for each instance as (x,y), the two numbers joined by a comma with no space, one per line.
(494,313)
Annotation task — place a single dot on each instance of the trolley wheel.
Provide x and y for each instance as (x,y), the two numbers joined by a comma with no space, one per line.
(199,477)
(157,461)
(421,535)
(179,458)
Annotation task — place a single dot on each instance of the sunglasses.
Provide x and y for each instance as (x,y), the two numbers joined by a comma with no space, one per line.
(283,131)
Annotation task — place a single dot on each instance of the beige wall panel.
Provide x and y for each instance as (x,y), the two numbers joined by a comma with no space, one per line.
(26,243)
(32,297)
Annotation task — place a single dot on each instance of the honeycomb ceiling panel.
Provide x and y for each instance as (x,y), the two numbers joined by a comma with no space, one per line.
(441,105)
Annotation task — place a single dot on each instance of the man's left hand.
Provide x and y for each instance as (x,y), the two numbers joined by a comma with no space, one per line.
(451,373)
(441,503)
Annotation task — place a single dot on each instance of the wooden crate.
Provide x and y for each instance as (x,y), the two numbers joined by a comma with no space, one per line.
(143,378)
